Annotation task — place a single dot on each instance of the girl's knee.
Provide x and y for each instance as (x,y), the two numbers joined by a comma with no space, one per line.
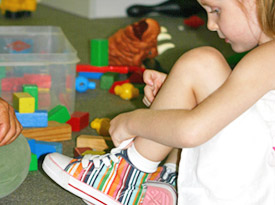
(203,60)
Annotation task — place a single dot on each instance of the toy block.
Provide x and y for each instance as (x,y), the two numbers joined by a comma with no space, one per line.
(34,163)
(79,120)
(54,132)
(33,91)
(80,151)
(94,142)
(102,69)
(101,125)
(58,146)
(2,72)
(82,84)
(194,21)
(41,80)
(99,52)
(40,148)
(90,75)
(112,89)
(126,91)
(12,84)
(38,118)
(107,79)
(59,114)
(23,102)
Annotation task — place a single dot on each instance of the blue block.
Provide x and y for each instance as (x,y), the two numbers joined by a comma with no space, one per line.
(56,145)
(42,149)
(32,144)
(37,119)
(90,75)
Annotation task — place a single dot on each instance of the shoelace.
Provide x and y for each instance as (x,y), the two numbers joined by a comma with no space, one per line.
(106,159)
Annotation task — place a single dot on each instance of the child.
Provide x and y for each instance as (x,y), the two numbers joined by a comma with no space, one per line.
(221,119)
(14,151)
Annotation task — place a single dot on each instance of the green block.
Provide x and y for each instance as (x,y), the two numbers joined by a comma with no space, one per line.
(140,87)
(59,114)
(33,91)
(99,52)
(34,163)
(107,80)
(2,72)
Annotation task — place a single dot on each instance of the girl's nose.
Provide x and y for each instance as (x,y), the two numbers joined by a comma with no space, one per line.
(212,25)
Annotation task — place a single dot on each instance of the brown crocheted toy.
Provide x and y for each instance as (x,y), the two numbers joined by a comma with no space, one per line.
(135,43)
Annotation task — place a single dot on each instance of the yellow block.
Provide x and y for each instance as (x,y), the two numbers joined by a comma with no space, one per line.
(23,102)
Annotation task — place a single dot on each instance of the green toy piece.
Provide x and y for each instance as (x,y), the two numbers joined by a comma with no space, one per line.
(99,52)
(34,163)
(59,114)
(107,80)
(33,91)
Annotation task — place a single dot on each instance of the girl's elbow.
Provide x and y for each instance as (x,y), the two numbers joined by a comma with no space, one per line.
(190,138)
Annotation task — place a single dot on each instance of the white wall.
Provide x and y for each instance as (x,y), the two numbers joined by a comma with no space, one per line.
(97,8)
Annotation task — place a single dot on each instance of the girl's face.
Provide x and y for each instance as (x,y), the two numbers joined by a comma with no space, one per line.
(236,24)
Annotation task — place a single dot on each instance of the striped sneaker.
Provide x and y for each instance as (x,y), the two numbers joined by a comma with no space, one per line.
(106,179)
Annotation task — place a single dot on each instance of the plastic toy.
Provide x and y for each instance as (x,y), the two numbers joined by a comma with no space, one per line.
(33,91)
(17,8)
(126,91)
(34,163)
(20,46)
(112,88)
(90,75)
(107,79)
(99,52)
(94,142)
(82,84)
(194,22)
(23,102)
(104,69)
(53,133)
(78,121)
(101,125)
(40,148)
(38,118)
(131,45)
(59,114)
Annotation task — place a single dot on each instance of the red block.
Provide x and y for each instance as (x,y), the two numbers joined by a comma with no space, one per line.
(79,150)
(78,121)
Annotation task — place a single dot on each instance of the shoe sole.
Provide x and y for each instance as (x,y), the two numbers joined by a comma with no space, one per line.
(157,193)
(69,183)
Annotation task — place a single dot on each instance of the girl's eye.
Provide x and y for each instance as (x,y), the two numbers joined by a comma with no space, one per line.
(213,11)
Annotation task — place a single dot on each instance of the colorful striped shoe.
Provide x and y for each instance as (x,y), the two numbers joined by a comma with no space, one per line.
(107,179)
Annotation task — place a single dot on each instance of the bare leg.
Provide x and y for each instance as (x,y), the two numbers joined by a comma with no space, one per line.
(195,76)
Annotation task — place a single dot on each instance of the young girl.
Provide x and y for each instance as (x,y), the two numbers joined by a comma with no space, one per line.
(223,120)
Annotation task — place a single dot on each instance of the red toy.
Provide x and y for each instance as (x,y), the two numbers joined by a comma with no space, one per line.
(78,121)
(194,22)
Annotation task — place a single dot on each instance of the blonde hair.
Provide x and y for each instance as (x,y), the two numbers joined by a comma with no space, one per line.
(266,16)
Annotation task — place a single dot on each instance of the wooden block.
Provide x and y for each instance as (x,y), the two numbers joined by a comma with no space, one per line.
(33,91)
(79,120)
(80,151)
(54,132)
(23,102)
(94,142)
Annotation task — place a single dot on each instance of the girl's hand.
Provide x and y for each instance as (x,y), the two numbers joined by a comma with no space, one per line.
(154,81)
(10,128)
(118,130)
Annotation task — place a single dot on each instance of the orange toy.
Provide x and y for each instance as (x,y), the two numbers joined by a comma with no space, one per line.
(135,43)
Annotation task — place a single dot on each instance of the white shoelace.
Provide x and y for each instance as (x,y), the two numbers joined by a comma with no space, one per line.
(104,158)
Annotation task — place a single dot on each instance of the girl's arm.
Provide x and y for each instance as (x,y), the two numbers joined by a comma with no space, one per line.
(253,77)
